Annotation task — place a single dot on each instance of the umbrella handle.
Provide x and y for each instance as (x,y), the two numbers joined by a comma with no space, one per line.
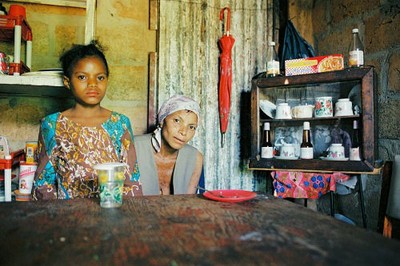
(228,19)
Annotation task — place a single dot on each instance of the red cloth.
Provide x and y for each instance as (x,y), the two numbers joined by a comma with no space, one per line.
(304,185)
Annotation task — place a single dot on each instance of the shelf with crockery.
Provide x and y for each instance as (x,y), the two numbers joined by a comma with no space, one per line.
(356,84)
(20,81)
(294,120)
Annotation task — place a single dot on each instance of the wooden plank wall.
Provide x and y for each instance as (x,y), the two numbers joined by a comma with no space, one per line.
(188,64)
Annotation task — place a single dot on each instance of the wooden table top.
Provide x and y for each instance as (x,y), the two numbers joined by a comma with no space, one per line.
(184,230)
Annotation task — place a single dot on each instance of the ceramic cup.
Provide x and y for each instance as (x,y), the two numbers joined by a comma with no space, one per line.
(283,111)
(302,111)
(336,151)
(343,107)
(287,150)
(355,154)
(323,107)
(111,183)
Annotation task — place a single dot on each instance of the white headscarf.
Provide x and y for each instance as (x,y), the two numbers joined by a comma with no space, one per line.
(173,104)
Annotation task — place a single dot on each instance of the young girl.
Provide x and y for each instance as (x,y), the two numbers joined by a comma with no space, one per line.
(168,165)
(72,142)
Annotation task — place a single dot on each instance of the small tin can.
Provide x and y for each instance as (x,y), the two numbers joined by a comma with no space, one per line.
(31,147)
(26,175)
(3,63)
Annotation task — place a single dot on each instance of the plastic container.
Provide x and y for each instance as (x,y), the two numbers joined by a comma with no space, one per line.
(17,10)
(26,176)
(111,182)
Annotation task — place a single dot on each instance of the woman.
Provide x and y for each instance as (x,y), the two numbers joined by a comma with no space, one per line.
(168,165)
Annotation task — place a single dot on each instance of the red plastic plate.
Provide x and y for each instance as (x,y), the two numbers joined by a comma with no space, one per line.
(230,195)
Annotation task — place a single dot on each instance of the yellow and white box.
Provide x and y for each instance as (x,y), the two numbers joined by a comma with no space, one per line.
(316,64)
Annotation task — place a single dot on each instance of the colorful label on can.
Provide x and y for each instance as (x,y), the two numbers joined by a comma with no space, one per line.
(26,175)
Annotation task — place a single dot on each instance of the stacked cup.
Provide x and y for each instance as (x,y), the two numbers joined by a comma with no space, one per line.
(323,107)
(283,111)
(343,107)
(336,152)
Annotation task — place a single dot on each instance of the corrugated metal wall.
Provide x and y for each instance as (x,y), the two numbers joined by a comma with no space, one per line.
(188,64)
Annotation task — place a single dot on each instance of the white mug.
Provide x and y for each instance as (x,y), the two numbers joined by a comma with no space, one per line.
(287,150)
(355,154)
(283,111)
(302,111)
(323,107)
(336,151)
(343,107)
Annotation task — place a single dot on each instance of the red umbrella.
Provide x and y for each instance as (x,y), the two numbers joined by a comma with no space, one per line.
(225,72)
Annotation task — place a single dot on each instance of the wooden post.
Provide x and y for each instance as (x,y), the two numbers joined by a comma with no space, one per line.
(90,21)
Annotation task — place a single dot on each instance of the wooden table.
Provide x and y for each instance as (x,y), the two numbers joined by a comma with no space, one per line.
(184,230)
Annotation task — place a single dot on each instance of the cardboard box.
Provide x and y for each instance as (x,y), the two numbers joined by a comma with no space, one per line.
(316,64)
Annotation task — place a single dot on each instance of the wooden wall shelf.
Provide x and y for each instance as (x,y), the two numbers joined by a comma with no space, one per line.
(337,84)
(33,86)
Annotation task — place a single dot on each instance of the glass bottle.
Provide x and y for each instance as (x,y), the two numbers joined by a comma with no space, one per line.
(273,68)
(266,147)
(356,51)
(306,147)
(355,143)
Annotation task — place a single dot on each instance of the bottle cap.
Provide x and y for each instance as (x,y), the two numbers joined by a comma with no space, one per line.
(306,125)
(354,31)
(271,43)
(266,126)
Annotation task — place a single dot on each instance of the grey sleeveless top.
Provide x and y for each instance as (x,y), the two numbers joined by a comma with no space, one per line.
(183,171)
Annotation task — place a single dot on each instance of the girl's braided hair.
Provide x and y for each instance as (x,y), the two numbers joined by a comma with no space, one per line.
(78,51)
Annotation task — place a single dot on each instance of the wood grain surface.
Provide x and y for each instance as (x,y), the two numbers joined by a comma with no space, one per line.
(183,230)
